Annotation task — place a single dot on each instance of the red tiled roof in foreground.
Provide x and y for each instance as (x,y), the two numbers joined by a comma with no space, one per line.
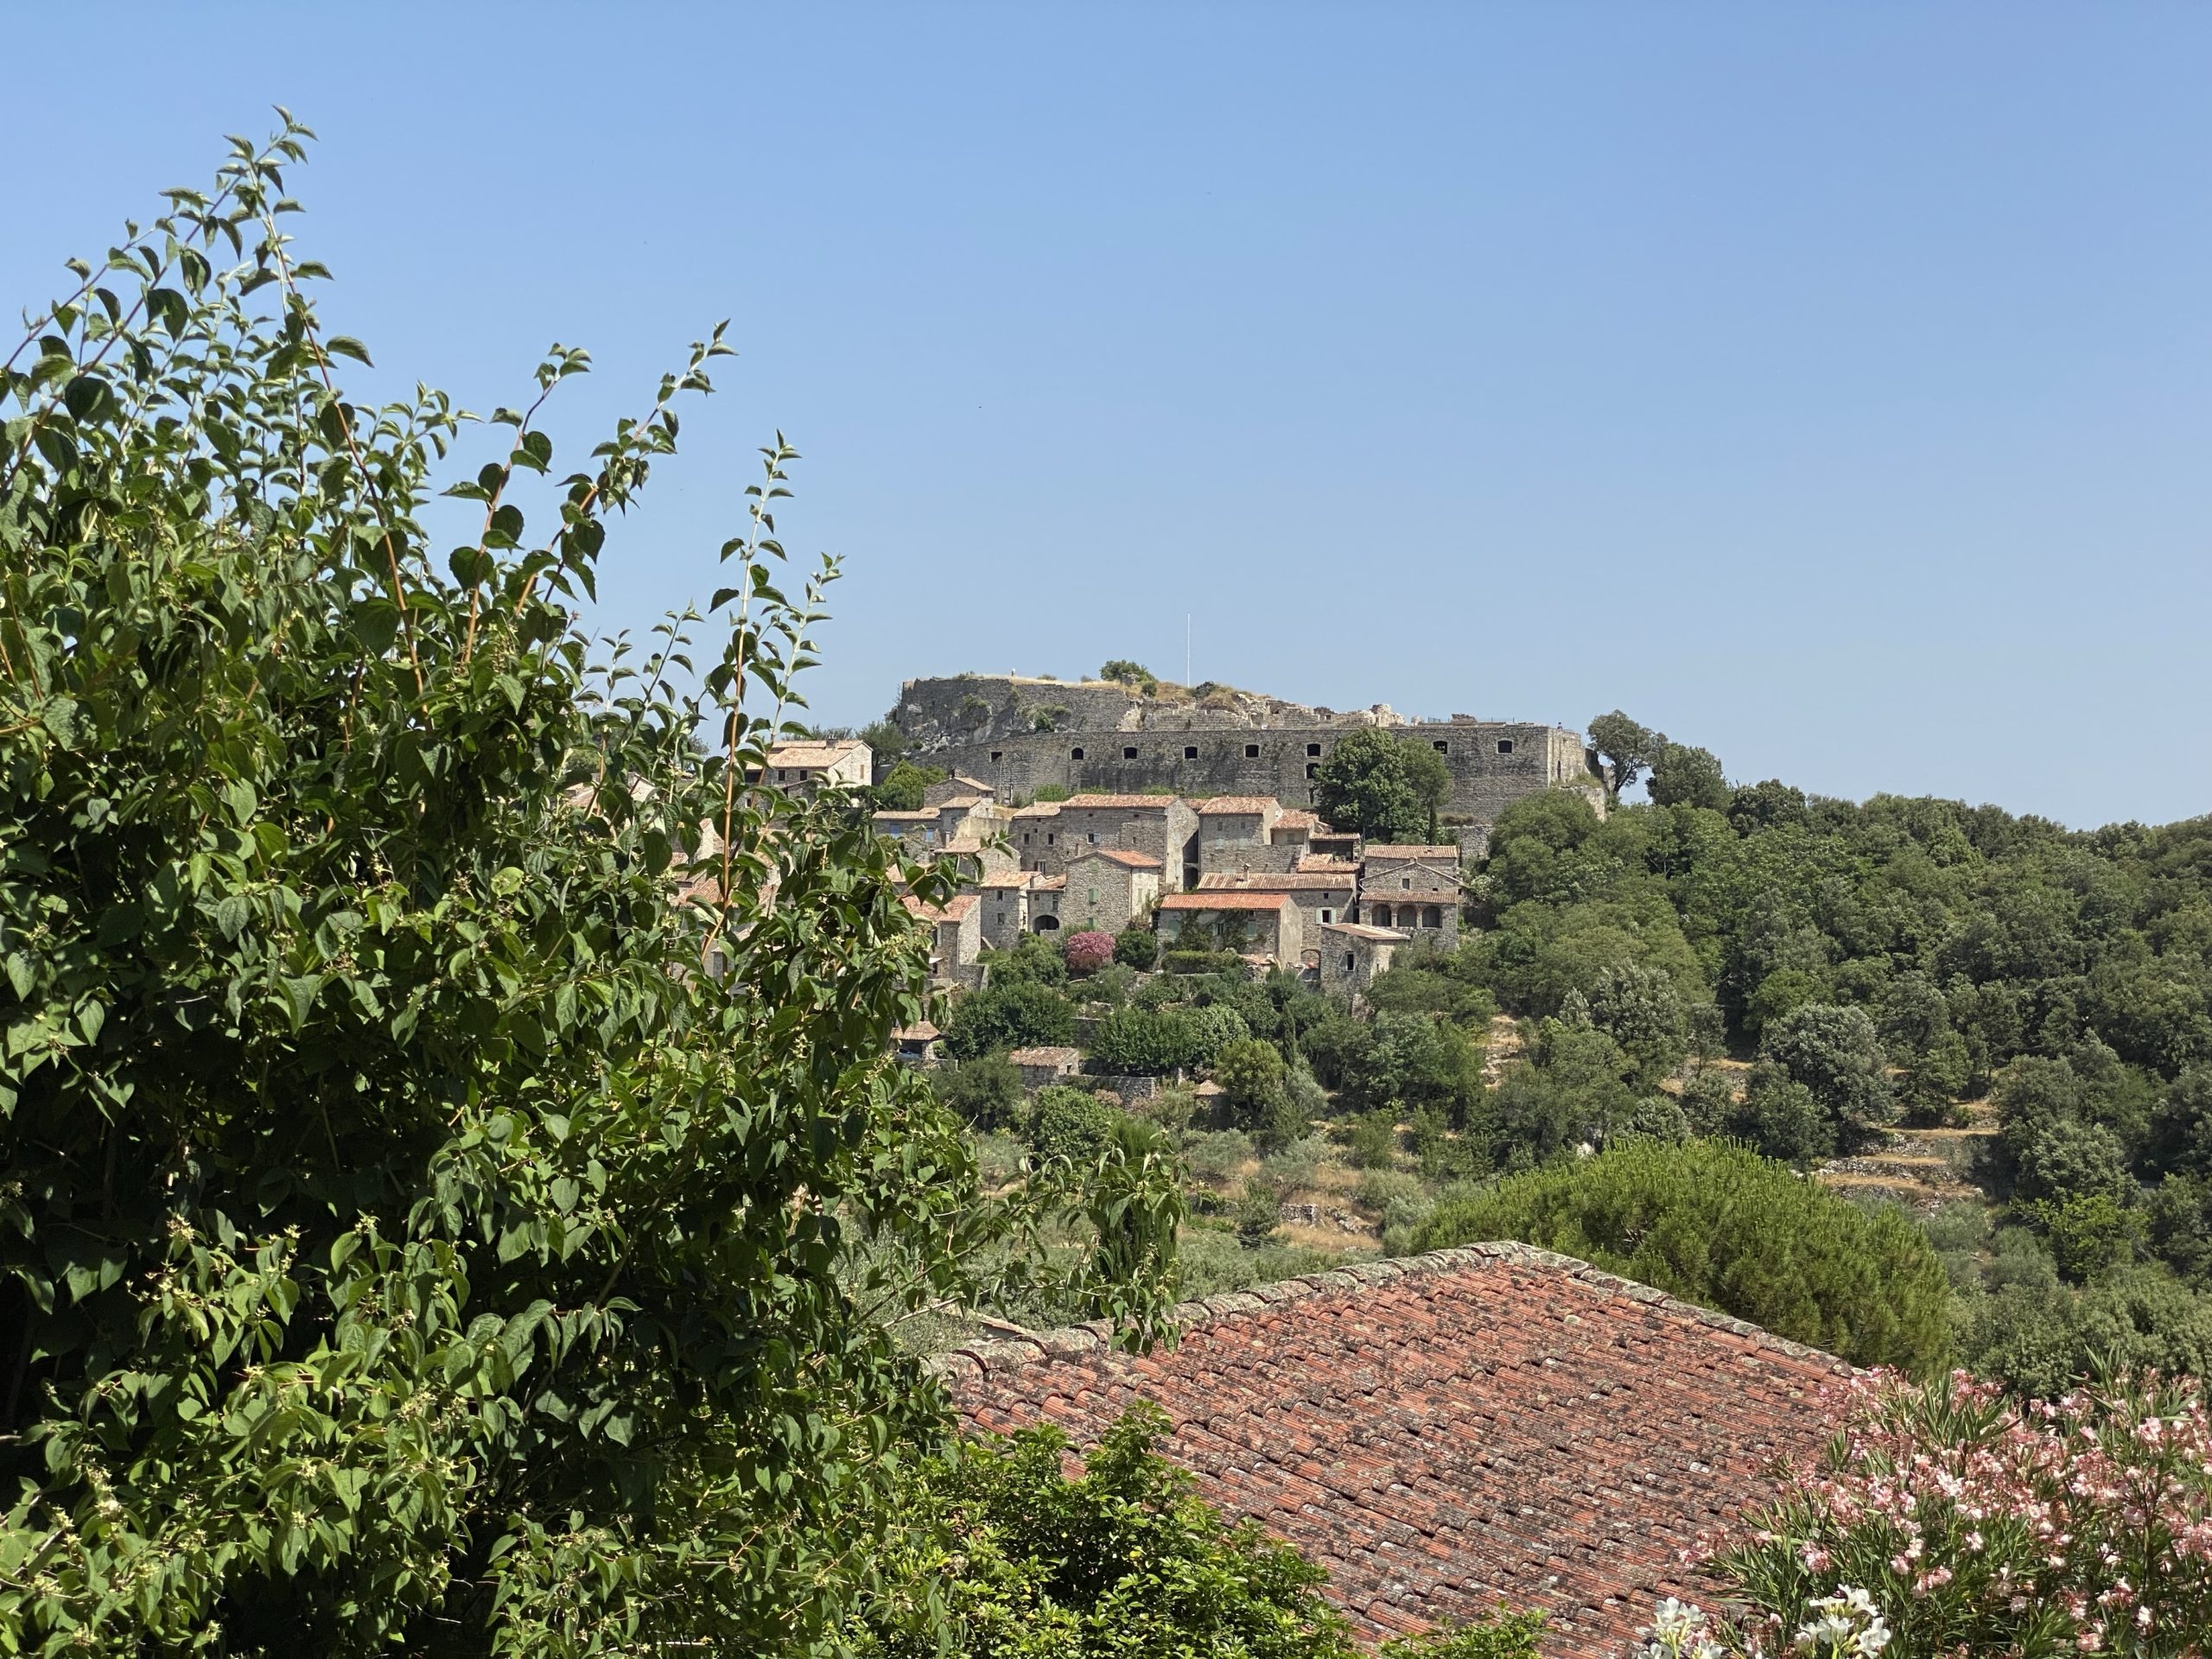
(1445,1430)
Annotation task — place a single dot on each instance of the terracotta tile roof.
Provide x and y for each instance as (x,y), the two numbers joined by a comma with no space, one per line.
(1361,931)
(1297,817)
(1006,879)
(1315,864)
(924,1032)
(1449,854)
(1040,809)
(1445,1430)
(1121,855)
(1268,881)
(1224,901)
(953,910)
(959,803)
(1049,884)
(1077,803)
(814,755)
(1245,805)
(889,816)
(1050,1055)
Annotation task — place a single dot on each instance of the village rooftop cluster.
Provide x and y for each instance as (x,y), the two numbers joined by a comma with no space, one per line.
(1272,883)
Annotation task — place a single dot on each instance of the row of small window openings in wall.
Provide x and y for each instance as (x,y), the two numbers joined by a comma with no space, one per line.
(1251,751)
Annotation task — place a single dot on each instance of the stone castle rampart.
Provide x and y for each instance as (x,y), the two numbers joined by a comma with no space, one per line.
(1104,736)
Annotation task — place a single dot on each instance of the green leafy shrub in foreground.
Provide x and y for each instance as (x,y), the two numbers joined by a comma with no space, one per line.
(1719,1225)
(1121,1560)
(404,1246)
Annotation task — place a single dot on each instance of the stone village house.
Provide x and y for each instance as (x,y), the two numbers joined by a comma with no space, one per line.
(1108,888)
(1415,889)
(1269,924)
(806,768)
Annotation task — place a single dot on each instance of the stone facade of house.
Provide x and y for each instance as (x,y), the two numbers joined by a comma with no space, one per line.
(1352,954)
(956,944)
(1160,825)
(1416,890)
(1041,1067)
(1323,898)
(1109,887)
(1263,923)
(806,768)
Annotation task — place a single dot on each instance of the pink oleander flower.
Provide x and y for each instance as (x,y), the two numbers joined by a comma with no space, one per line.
(1956,1510)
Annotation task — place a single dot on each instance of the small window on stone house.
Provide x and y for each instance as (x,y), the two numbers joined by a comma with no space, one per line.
(1190,751)
(1252,751)
(1092,837)
(1094,895)
(1075,754)
(1442,748)
(1129,755)
(1404,881)
(1312,748)
(1505,746)
(1349,960)
(782,775)
(998,755)
(1048,840)
(1328,915)
(1312,769)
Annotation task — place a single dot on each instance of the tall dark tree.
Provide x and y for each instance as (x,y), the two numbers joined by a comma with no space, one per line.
(1388,786)
(1690,777)
(1624,749)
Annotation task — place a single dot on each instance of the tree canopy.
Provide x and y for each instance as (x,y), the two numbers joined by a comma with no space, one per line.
(1720,1226)
(432,1159)
(1388,786)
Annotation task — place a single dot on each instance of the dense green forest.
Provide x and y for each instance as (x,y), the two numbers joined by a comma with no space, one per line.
(1908,963)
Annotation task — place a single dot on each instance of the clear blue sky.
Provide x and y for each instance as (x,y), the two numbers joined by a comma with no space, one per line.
(1830,386)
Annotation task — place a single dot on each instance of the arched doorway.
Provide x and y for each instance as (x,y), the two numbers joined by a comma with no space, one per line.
(1045,924)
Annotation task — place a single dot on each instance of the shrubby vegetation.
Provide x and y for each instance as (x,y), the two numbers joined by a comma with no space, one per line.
(1386,784)
(408,1242)
(1121,1561)
(1950,1519)
(1720,1226)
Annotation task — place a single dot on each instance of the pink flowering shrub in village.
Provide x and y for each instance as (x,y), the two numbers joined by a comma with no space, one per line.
(1089,951)
(1952,1520)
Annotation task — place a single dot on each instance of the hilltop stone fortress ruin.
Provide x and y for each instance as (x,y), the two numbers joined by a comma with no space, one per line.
(1021,734)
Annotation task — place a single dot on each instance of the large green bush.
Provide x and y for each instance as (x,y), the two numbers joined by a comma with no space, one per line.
(430,1161)
(1021,1013)
(1720,1226)
(1120,1561)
